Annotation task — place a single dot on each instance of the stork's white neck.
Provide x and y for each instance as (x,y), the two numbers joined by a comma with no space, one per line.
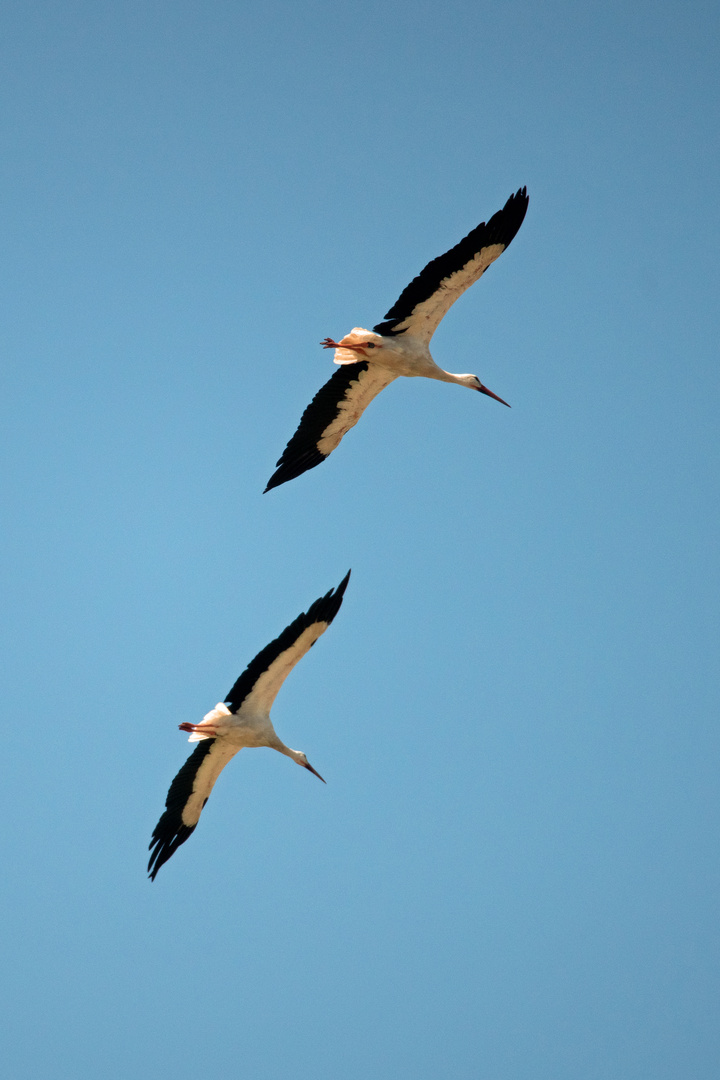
(279,745)
(460,380)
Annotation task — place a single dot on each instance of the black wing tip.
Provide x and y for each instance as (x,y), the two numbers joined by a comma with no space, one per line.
(340,593)
(326,608)
(503,226)
(289,470)
(514,212)
(165,843)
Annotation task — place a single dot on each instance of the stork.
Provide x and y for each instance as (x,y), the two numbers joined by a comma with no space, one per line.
(243,719)
(370,360)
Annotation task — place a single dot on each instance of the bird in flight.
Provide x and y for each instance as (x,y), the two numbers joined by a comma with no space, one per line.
(370,360)
(243,719)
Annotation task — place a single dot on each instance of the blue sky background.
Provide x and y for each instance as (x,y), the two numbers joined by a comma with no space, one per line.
(513,869)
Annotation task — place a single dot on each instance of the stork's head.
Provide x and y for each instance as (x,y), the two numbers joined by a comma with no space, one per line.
(302,760)
(473,383)
(359,344)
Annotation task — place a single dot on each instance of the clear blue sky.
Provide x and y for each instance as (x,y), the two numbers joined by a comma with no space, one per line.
(513,870)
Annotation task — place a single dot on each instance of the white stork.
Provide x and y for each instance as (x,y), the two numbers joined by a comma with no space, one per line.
(243,719)
(370,361)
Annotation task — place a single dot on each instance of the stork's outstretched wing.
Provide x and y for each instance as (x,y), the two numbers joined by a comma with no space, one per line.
(259,683)
(337,406)
(188,793)
(432,293)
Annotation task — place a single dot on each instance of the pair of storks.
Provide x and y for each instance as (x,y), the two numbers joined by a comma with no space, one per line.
(369,361)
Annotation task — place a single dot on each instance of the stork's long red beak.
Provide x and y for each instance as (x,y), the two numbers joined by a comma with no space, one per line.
(484,390)
(315,772)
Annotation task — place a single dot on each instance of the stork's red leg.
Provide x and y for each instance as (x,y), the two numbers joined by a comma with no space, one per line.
(199,729)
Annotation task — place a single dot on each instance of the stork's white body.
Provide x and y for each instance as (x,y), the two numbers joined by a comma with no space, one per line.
(249,727)
(408,355)
(231,732)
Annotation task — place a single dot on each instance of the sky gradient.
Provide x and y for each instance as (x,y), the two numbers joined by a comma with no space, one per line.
(512,871)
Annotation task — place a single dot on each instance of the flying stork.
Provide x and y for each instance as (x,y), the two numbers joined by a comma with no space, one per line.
(243,719)
(370,360)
